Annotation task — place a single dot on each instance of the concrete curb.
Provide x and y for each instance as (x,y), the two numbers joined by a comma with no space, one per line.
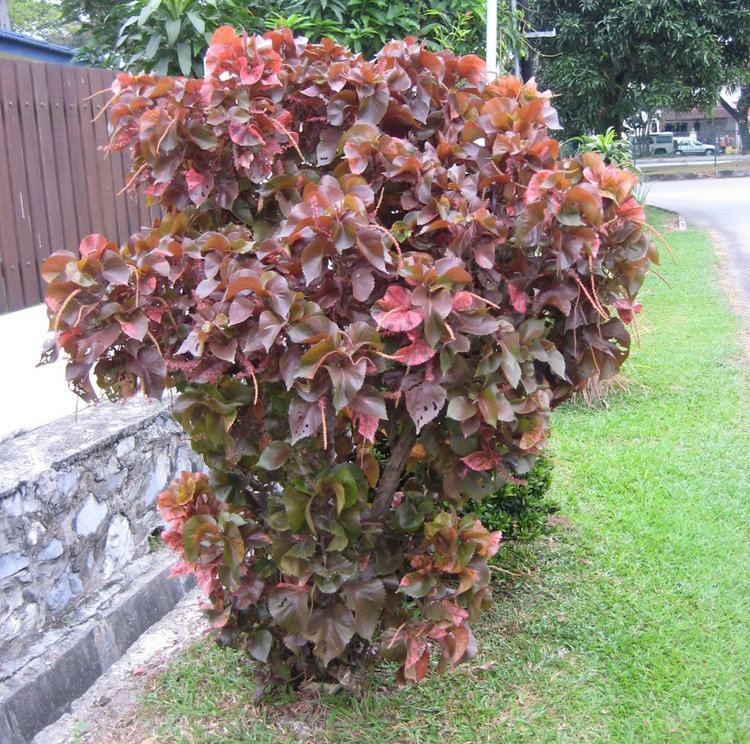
(691,175)
(44,689)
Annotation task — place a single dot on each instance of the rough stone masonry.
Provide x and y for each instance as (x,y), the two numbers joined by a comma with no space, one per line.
(77,506)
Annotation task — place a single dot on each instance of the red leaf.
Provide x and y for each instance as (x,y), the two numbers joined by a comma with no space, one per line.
(92,246)
(627,310)
(480,461)
(136,326)
(517,298)
(415,353)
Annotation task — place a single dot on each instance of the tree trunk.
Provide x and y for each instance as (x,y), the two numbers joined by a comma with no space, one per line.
(739,114)
(4,16)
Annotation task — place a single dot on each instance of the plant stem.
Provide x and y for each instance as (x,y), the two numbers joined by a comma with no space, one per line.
(391,476)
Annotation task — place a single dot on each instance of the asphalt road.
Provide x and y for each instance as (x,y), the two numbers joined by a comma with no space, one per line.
(720,204)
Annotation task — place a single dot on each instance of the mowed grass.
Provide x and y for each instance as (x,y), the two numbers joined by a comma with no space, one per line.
(630,624)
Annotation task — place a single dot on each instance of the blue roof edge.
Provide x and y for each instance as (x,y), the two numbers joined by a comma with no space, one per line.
(35,43)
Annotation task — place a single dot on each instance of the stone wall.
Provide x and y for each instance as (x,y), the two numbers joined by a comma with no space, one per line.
(77,507)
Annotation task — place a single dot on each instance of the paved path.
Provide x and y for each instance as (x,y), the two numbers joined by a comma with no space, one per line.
(30,396)
(720,204)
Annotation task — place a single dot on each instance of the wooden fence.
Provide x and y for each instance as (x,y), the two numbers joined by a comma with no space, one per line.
(55,183)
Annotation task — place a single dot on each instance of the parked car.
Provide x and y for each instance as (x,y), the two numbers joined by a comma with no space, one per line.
(687,146)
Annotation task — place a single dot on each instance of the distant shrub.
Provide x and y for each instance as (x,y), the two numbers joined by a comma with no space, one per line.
(519,509)
(371,284)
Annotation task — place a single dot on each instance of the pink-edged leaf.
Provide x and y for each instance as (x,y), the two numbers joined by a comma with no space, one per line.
(136,326)
(367,426)
(399,320)
(416,353)
(518,298)
(92,246)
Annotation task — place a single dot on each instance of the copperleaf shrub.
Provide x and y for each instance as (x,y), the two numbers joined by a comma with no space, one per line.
(370,284)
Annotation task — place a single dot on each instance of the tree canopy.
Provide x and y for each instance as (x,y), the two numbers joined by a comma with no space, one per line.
(611,59)
(40,19)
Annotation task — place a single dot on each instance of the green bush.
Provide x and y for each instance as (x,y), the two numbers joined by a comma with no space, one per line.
(519,510)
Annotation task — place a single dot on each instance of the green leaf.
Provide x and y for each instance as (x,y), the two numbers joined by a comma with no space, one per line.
(408,518)
(173,26)
(416,585)
(152,47)
(340,494)
(197,21)
(350,476)
(274,455)
(162,66)
(226,518)
(202,136)
(184,58)
(295,504)
(234,547)
(339,541)
(198,529)
(147,12)
(294,562)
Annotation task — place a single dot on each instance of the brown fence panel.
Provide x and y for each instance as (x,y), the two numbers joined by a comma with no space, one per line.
(55,183)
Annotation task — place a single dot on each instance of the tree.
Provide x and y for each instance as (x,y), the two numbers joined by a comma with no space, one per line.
(371,283)
(614,58)
(40,19)
(739,113)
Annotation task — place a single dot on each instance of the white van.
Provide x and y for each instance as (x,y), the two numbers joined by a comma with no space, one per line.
(659,143)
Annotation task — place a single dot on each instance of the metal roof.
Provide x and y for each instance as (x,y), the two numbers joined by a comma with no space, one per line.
(20,45)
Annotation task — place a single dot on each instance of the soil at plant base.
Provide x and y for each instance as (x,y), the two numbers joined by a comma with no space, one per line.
(101,714)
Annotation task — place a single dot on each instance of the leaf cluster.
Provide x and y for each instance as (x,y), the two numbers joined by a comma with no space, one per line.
(371,283)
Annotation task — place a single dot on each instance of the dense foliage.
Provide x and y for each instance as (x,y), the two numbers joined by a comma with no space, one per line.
(171,36)
(168,37)
(371,283)
(612,59)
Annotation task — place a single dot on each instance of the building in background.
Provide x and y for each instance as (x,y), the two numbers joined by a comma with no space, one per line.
(717,126)
(17,46)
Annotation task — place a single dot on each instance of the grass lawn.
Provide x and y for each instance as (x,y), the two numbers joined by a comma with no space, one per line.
(708,168)
(630,624)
